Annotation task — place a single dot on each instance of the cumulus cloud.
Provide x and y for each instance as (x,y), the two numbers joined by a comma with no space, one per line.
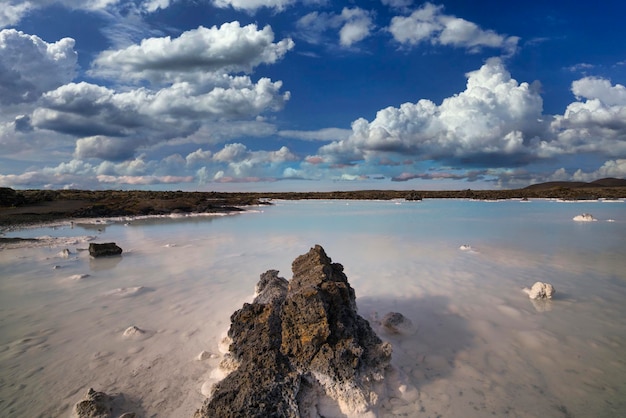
(198,156)
(229,48)
(237,161)
(611,168)
(491,122)
(357,26)
(232,153)
(353,24)
(429,24)
(601,89)
(597,124)
(29,66)
(87,110)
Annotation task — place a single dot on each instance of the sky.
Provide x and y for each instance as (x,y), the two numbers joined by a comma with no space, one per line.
(310,95)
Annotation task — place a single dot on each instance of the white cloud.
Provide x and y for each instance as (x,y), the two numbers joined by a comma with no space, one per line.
(357,26)
(495,119)
(353,24)
(238,161)
(429,24)
(398,4)
(253,5)
(596,125)
(198,156)
(87,110)
(143,180)
(232,153)
(29,66)
(229,48)
(611,168)
(312,26)
(154,5)
(601,89)
(326,134)
(12,12)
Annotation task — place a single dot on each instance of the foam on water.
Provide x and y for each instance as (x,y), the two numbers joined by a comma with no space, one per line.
(480,346)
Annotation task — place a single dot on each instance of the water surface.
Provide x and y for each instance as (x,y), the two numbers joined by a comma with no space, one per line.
(481,346)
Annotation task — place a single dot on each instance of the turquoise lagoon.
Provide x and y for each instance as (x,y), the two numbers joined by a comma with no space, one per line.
(481,347)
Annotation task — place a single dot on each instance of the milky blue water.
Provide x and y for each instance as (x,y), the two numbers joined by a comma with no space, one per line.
(481,347)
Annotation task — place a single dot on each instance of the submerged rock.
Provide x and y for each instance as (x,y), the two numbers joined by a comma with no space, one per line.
(298,341)
(540,290)
(396,323)
(104,250)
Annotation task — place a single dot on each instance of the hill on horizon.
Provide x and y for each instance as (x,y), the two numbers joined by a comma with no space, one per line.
(605,182)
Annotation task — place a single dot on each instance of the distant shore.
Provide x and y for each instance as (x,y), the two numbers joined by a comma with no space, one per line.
(23,207)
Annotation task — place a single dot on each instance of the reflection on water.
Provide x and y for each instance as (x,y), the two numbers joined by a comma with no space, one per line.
(104,263)
(481,346)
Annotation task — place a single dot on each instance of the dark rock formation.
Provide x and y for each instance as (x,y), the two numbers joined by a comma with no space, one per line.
(396,323)
(297,341)
(9,197)
(104,250)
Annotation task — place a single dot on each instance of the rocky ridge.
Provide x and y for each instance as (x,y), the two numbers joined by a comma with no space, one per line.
(297,343)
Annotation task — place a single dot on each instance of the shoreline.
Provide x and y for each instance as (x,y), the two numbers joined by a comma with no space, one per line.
(23,208)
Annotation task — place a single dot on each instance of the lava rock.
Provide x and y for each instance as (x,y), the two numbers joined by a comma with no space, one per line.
(299,339)
(396,323)
(104,250)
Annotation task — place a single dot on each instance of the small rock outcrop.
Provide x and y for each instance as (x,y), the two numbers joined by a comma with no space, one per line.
(101,405)
(540,290)
(299,341)
(396,323)
(104,250)
(585,217)
(94,405)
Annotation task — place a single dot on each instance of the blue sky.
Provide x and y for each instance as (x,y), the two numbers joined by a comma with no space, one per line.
(310,94)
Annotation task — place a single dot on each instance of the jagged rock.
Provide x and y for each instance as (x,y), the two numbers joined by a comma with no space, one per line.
(540,290)
(104,250)
(94,405)
(298,340)
(270,288)
(396,323)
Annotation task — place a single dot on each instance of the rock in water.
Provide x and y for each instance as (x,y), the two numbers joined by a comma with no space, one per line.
(298,340)
(94,405)
(396,323)
(540,290)
(104,250)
